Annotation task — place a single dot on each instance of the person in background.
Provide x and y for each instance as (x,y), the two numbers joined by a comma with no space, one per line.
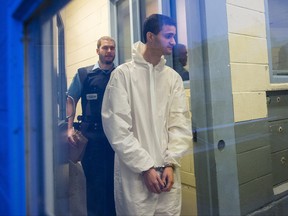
(180,60)
(89,84)
(146,120)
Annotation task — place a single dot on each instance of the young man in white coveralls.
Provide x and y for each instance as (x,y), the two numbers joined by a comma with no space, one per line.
(146,120)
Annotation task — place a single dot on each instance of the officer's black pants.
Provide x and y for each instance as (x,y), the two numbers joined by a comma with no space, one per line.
(98,165)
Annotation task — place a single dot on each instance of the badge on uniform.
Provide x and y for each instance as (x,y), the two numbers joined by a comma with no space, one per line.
(91,96)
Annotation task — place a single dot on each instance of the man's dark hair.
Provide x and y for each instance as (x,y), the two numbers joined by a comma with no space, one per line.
(154,24)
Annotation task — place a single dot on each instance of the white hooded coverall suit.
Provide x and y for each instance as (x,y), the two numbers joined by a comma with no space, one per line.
(146,120)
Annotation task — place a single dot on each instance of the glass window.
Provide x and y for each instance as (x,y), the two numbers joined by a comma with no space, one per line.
(180,52)
(148,7)
(278,26)
(60,69)
(51,66)
(46,115)
(123,31)
(151,7)
(130,16)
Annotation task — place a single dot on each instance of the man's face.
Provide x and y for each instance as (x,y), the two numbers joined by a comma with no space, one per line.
(106,52)
(183,56)
(164,40)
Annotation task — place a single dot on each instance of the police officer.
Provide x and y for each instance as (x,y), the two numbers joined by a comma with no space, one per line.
(89,84)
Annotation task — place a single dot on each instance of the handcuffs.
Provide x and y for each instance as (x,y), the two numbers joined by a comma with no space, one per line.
(160,169)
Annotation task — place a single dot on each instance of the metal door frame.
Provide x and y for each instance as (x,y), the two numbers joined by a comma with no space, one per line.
(212,108)
(40,121)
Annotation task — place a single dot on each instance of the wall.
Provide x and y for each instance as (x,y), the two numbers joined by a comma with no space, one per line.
(249,58)
(250,81)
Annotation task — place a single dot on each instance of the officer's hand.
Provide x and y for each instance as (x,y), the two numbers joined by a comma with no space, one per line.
(71,137)
(153,181)
(168,179)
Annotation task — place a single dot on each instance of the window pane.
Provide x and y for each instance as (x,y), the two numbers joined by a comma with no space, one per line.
(151,7)
(124,31)
(60,69)
(278,12)
(147,7)
(180,52)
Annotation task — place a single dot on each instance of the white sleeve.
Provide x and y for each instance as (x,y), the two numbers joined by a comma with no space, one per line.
(179,126)
(117,125)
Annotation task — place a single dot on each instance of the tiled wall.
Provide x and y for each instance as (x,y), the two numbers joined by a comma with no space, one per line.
(248,58)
